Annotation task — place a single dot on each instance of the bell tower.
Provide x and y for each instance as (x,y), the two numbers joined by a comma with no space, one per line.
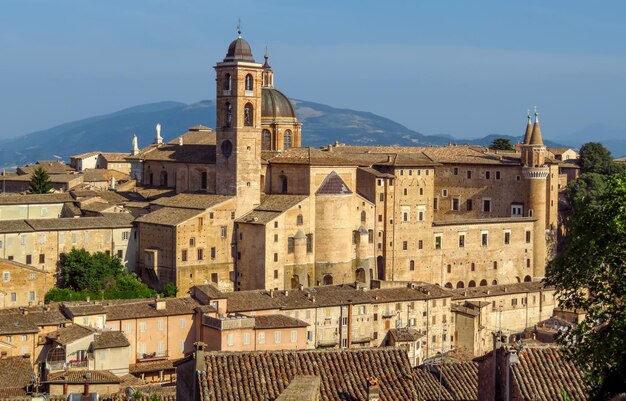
(238,123)
(536,173)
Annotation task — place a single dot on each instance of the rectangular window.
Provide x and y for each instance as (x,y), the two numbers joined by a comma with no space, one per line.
(528,237)
(192,242)
(294,336)
(213,251)
(299,220)
(291,245)
(278,337)
(309,335)
(444,192)
(468,205)
(517,210)
(261,337)
(406,191)
(120,254)
(275,274)
(495,264)
(246,338)
(182,323)
(507,237)
(438,241)
(223,231)
(527,263)
(22,240)
(29,259)
(381,197)
(461,240)
(184,255)
(200,254)
(31,296)
(455,171)
(42,258)
(487,175)
(405,245)
(125,235)
(230,340)
(420,244)
(449,268)
(232,215)
(214,277)
(484,238)
(6,276)
(436,203)
(456,204)
(13,297)
(74,238)
(142,327)
(487,205)
(370,236)
(275,237)
(160,325)
(497,175)
(309,243)
(469,174)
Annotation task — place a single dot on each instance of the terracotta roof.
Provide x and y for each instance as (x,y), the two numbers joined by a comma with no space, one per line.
(69,334)
(344,374)
(17,323)
(7,264)
(83,376)
(15,226)
(98,207)
(129,309)
(333,185)
(169,216)
(376,173)
(114,157)
(404,335)
(276,321)
(515,288)
(415,292)
(271,207)
(312,157)
(192,153)
(51,167)
(110,339)
(542,373)
(13,199)
(102,175)
(112,197)
(54,178)
(198,135)
(48,315)
(74,309)
(210,291)
(108,220)
(151,366)
(85,155)
(460,378)
(429,388)
(16,373)
(200,201)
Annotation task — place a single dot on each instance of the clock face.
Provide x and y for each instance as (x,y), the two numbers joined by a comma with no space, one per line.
(227,148)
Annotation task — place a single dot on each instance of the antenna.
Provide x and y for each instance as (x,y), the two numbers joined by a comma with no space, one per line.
(239,27)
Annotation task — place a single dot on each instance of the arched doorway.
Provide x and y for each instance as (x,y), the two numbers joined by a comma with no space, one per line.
(328,279)
(483,283)
(528,279)
(494,282)
(360,275)
(380,264)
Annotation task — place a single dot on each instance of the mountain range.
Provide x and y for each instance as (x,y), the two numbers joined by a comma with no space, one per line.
(113,132)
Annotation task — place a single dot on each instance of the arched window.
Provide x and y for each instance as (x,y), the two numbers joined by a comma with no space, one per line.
(229,114)
(266,140)
(483,283)
(472,283)
(283,184)
(460,285)
(227,82)
(249,82)
(448,285)
(163,179)
(295,282)
(360,275)
(528,279)
(287,140)
(328,279)
(412,265)
(530,213)
(494,282)
(363,216)
(248,115)
(299,220)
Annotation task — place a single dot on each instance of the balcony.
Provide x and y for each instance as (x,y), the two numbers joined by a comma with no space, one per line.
(151,356)
(53,366)
(389,314)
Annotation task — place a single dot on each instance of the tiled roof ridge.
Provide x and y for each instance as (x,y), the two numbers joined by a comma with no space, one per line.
(388,349)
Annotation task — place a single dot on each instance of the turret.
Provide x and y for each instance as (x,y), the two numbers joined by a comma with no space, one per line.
(535,175)
(268,74)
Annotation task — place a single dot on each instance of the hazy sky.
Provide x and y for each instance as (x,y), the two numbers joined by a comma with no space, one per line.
(466,68)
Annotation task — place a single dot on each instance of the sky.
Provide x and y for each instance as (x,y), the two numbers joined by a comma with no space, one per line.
(463,68)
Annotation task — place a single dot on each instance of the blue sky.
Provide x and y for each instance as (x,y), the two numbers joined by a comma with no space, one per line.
(439,67)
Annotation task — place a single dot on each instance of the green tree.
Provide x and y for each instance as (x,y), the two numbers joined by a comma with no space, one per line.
(595,158)
(40,182)
(501,144)
(586,189)
(169,290)
(590,275)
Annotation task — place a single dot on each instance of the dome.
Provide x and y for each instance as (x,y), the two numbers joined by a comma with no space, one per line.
(276,105)
(239,50)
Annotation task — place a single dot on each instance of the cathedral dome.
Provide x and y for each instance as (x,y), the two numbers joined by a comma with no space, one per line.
(276,105)
(239,50)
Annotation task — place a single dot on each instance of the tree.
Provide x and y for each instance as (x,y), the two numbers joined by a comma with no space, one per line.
(169,290)
(590,275)
(40,182)
(595,158)
(501,144)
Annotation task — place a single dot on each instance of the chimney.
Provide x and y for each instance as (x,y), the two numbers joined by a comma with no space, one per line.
(286,292)
(24,310)
(159,304)
(388,158)
(373,391)
(271,293)
(180,141)
(506,289)
(301,287)
(4,355)
(88,299)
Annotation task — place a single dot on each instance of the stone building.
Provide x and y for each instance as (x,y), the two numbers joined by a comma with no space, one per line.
(23,285)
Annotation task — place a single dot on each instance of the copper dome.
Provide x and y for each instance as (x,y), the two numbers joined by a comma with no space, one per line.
(239,50)
(276,105)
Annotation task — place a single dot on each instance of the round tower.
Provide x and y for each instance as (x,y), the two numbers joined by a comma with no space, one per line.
(536,173)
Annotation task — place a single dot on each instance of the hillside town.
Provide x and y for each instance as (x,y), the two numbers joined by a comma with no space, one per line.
(370,273)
